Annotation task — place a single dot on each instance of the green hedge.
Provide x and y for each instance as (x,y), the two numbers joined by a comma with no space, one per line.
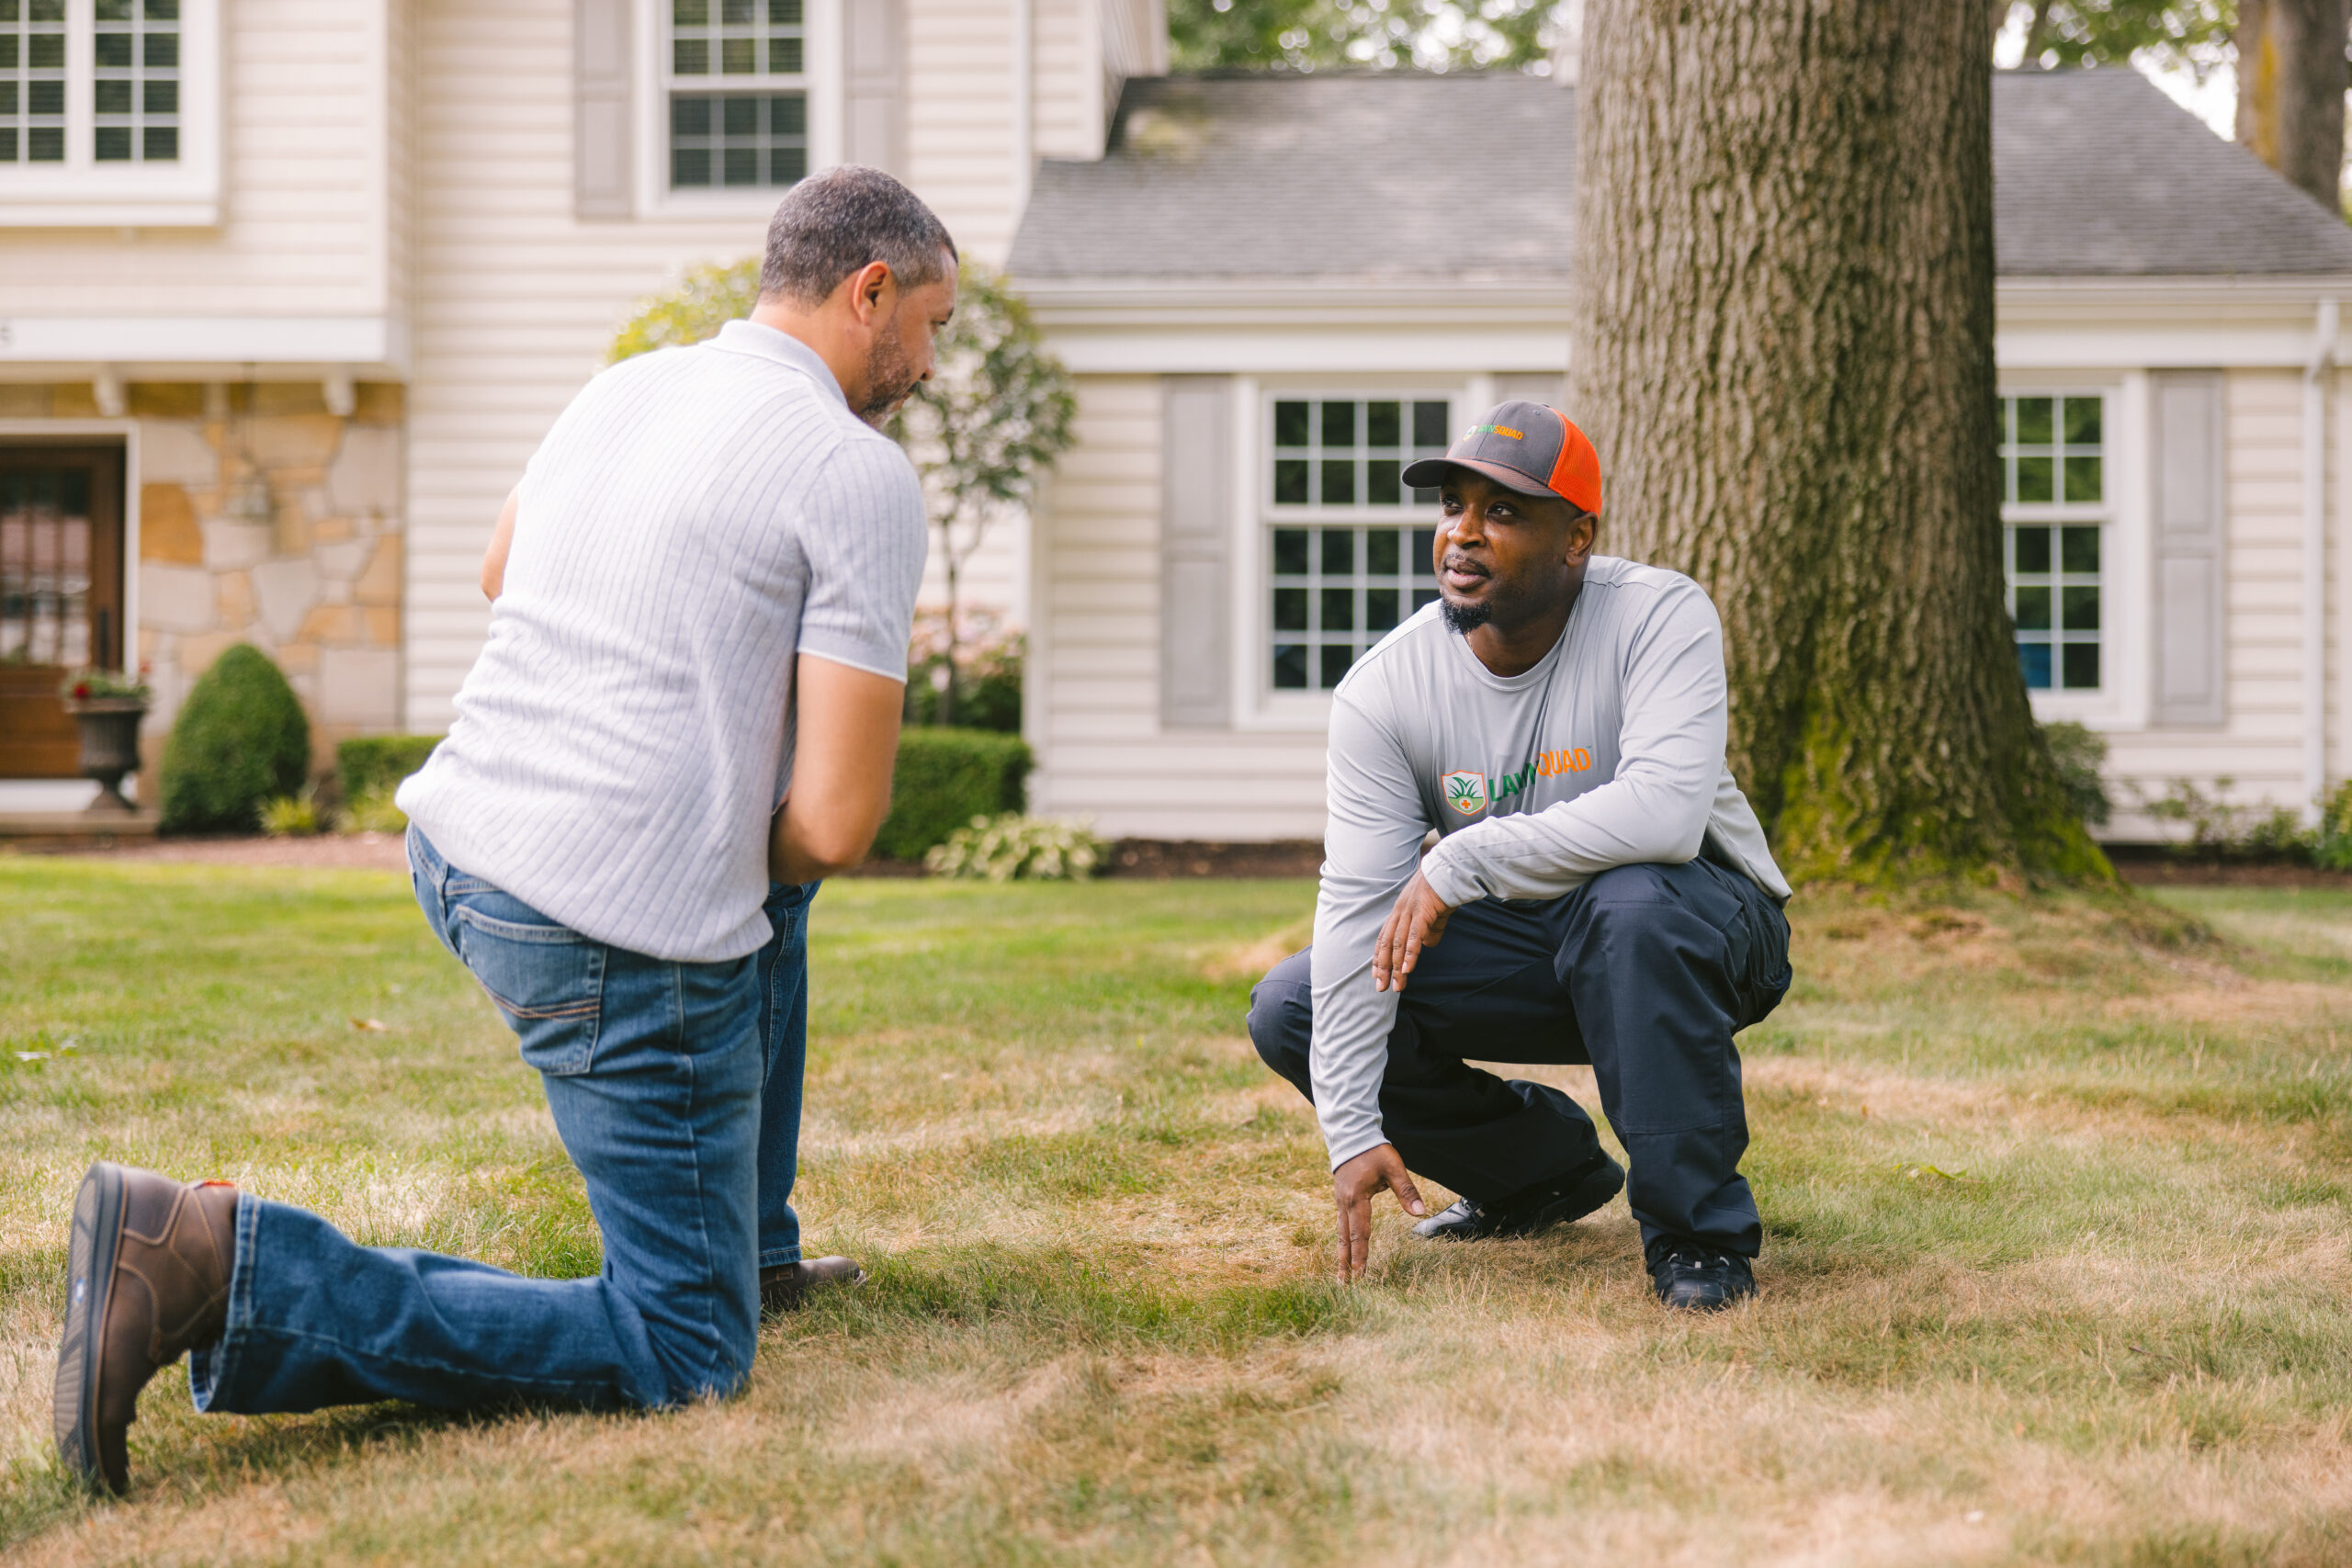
(380,762)
(241,740)
(944,778)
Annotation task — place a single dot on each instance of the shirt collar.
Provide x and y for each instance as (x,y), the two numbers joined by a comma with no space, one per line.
(750,337)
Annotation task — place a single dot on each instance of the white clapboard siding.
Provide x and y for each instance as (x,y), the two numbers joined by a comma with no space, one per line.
(2259,744)
(304,230)
(516,299)
(960,119)
(1095,696)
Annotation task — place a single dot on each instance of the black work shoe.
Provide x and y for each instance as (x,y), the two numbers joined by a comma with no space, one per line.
(1548,1203)
(1693,1278)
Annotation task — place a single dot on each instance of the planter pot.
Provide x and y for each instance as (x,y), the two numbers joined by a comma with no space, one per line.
(109,747)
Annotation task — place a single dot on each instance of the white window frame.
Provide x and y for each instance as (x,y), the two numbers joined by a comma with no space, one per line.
(822,80)
(2121,700)
(1257,703)
(81,192)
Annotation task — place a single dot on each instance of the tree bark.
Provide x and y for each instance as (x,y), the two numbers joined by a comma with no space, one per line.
(2292,78)
(1783,348)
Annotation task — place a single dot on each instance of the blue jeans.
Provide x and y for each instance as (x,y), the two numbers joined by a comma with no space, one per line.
(677,1091)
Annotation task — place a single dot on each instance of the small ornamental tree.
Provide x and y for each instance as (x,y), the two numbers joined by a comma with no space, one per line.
(983,431)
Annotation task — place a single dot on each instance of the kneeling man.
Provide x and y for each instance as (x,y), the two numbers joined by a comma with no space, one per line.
(1602,889)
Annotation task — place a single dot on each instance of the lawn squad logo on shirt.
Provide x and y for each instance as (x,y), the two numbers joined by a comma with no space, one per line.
(1466,793)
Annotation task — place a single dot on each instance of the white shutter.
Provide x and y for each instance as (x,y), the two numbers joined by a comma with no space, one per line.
(2188,518)
(600,108)
(873,116)
(1196,551)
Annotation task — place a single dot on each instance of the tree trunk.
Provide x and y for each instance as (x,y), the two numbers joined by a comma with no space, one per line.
(2292,78)
(1784,345)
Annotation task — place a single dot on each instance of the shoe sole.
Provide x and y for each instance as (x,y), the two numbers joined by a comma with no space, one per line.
(778,1308)
(1566,1209)
(89,1278)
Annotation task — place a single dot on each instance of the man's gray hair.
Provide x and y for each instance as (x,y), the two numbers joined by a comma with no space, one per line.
(833,223)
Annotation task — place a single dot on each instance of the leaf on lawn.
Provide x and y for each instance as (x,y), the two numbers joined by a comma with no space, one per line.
(1913,1171)
(368,1026)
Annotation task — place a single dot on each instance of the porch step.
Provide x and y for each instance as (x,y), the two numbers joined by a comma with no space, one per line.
(77,825)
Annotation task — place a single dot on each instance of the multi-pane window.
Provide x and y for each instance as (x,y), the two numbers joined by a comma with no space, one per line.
(739,98)
(1346,564)
(136,92)
(2053,471)
(32,81)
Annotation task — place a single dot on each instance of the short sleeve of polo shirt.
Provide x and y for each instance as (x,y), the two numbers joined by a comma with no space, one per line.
(863,534)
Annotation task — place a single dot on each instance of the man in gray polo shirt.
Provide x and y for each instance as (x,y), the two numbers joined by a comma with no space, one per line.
(684,715)
(1601,891)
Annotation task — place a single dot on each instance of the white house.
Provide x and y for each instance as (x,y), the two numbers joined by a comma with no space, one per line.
(288,294)
(1272,297)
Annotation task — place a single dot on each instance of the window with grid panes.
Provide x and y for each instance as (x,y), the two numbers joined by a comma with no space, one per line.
(136,92)
(738,93)
(32,81)
(1347,563)
(2055,514)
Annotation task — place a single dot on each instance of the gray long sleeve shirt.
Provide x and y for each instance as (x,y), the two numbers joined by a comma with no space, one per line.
(1609,753)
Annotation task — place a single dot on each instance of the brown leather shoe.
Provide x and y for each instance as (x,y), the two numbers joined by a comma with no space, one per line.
(786,1286)
(147,1281)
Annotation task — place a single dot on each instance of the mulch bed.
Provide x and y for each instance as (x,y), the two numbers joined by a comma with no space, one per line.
(1160,859)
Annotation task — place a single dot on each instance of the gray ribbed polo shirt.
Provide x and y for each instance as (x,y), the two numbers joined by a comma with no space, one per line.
(693,520)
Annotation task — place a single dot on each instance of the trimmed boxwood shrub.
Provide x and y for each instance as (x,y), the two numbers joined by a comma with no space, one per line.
(239,741)
(943,779)
(375,765)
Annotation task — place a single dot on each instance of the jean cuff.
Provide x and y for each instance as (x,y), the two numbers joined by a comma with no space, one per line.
(216,1364)
(778,1257)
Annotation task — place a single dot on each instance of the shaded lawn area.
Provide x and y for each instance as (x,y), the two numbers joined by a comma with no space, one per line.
(2057,1265)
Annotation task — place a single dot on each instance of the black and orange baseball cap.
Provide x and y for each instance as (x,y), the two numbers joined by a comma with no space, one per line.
(1527,447)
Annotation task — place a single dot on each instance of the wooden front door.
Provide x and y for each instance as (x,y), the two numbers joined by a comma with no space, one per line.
(61,595)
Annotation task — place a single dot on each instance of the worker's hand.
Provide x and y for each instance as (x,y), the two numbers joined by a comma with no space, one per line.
(1418,921)
(1352,1186)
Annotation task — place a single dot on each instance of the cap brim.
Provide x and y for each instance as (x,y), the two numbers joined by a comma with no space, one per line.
(1429,472)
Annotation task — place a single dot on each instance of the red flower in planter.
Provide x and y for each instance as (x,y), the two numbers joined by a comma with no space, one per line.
(81,691)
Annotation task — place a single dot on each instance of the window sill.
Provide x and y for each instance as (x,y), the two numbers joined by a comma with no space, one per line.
(680,207)
(148,203)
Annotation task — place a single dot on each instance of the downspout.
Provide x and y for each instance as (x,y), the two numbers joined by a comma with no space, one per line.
(1025,114)
(2315,378)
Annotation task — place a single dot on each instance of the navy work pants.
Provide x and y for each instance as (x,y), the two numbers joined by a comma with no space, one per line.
(1646,972)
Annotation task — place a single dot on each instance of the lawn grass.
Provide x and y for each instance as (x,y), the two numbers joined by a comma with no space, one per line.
(2057,1196)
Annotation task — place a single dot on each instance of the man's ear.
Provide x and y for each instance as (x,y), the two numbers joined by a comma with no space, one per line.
(1583,533)
(873,292)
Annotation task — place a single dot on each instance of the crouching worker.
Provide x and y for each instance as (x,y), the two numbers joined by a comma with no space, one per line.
(1601,892)
(684,715)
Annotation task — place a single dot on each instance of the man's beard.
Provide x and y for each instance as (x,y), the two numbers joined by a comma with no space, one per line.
(1464,619)
(890,379)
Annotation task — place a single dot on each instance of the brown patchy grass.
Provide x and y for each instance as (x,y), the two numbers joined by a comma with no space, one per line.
(2057,1266)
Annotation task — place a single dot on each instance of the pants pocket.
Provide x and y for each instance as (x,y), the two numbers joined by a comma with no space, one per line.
(547,980)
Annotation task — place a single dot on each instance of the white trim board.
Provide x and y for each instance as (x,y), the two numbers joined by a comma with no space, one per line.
(233,341)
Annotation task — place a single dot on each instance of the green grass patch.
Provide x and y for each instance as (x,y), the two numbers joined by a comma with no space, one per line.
(2055,1191)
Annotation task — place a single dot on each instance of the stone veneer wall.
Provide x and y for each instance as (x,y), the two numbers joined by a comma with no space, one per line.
(318,588)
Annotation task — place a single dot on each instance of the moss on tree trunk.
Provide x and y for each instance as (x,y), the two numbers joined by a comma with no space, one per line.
(1783,347)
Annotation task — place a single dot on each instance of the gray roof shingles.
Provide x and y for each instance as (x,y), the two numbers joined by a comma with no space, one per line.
(1346,178)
